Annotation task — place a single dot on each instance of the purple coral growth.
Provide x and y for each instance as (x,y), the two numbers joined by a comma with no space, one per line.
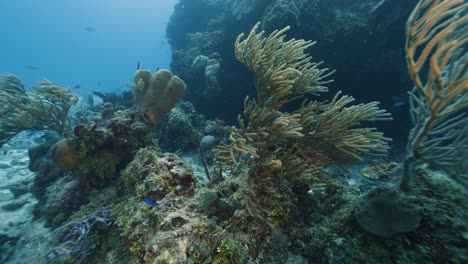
(75,242)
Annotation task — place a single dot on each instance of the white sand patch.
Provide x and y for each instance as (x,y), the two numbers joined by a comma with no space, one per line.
(16,213)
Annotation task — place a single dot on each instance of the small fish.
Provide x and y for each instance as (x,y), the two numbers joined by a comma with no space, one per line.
(98,83)
(138,65)
(77,86)
(399,102)
(89,29)
(30,67)
(150,202)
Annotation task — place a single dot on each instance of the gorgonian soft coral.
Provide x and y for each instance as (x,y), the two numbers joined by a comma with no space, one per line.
(280,146)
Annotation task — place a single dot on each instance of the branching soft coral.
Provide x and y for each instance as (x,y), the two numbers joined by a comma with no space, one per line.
(437,33)
(294,145)
(46,109)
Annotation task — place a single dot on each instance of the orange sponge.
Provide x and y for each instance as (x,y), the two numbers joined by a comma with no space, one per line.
(64,156)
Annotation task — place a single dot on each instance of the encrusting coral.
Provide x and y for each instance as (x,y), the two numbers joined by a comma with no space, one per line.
(46,109)
(156,95)
(293,146)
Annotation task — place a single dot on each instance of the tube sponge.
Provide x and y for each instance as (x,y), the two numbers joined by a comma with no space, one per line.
(157,94)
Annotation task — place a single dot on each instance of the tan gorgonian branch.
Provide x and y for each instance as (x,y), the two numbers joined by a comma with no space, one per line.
(52,104)
(298,170)
(287,126)
(282,68)
(227,155)
(337,124)
(46,109)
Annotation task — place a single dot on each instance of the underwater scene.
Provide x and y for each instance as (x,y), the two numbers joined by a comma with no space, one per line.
(234,131)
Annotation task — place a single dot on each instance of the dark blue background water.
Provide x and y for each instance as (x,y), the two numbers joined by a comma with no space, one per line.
(57,38)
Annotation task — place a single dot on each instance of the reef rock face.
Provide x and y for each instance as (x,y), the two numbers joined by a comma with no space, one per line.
(166,217)
(362,40)
(183,128)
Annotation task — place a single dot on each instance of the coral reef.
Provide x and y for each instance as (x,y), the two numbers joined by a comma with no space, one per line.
(98,153)
(179,131)
(187,225)
(166,180)
(58,193)
(161,216)
(206,225)
(98,150)
(329,233)
(281,192)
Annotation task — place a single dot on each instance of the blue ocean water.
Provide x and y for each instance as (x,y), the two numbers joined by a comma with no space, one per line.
(209,146)
(94,44)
